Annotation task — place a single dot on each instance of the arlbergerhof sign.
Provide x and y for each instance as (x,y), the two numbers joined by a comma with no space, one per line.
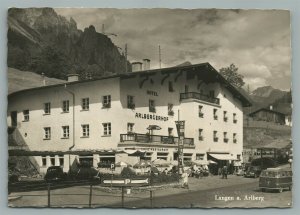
(151,116)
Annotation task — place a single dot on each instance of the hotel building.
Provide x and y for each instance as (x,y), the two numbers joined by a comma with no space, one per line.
(113,118)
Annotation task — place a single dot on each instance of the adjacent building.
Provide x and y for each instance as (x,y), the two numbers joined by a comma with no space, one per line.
(133,114)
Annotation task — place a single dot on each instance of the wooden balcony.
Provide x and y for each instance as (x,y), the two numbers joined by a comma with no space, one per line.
(155,139)
(199,96)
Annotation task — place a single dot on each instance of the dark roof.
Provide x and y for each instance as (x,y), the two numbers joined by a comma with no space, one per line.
(265,109)
(204,70)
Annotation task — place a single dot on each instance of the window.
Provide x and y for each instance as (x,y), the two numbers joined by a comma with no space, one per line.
(170,110)
(170,132)
(26,115)
(162,155)
(234,118)
(85,130)
(200,131)
(66,131)
(52,160)
(187,156)
(225,116)
(85,104)
(152,106)
(200,156)
(65,106)
(200,111)
(130,102)
(171,89)
(106,129)
(225,137)
(106,101)
(47,108)
(215,136)
(61,160)
(234,138)
(215,114)
(212,94)
(47,133)
(238,157)
(130,127)
(44,161)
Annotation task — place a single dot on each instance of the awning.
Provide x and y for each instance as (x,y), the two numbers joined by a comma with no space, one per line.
(135,152)
(222,156)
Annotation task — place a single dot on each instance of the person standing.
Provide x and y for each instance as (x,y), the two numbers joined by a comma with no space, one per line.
(185,179)
(225,172)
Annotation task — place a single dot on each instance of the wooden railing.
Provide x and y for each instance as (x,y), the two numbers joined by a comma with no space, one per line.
(145,138)
(199,96)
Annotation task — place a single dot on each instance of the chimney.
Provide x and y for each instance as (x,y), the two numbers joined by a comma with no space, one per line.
(136,66)
(146,64)
(72,77)
(271,107)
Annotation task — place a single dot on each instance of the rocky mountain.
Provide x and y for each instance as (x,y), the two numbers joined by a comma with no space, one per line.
(268,96)
(42,41)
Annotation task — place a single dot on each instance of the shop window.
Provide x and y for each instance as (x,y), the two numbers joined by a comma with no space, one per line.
(44,161)
(200,156)
(52,160)
(61,160)
(162,155)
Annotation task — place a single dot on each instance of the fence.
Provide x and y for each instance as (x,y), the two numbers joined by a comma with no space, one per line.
(87,195)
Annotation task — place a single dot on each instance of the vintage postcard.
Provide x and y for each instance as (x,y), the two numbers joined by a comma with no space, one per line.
(149,108)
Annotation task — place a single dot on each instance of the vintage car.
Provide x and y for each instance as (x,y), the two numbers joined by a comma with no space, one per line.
(253,171)
(276,179)
(55,173)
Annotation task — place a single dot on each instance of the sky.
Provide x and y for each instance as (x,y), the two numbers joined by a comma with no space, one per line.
(256,41)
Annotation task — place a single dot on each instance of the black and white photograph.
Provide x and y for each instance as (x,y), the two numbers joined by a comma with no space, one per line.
(149,108)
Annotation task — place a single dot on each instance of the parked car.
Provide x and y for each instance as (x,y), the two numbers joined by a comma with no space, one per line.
(55,173)
(253,171)
(276,179)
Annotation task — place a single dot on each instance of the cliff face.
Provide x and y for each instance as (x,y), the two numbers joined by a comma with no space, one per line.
(42,41)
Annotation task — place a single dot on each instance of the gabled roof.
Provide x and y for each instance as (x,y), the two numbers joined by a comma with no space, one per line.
(203,71)
(266,109)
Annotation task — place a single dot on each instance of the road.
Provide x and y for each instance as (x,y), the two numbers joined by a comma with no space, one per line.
(245,196)
(205,193)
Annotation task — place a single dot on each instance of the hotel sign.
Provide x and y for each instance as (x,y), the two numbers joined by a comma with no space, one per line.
(151,117)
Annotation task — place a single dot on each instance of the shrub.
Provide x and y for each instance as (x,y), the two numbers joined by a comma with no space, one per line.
(128,173)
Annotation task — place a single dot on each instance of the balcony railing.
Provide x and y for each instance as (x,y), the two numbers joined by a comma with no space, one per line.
(199,96)
(145,138)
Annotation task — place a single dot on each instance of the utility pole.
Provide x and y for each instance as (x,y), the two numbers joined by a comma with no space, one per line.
(159,56)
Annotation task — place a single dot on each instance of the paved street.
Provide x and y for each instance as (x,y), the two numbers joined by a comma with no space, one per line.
(206,192)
